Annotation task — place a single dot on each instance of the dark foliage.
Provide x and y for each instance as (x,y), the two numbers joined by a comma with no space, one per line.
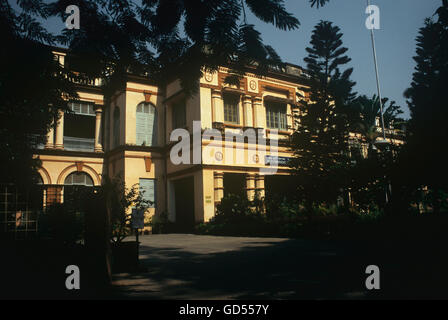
(168,39)
(33,88)
(62,224)
(161,39)
(366,113)
(370,165)
(424,155)
(320,140)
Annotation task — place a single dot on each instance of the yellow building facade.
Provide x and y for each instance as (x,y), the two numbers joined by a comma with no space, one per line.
(235,136)
(131,137)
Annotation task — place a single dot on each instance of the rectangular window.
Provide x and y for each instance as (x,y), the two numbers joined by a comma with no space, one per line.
(276,115)
(179,115)
(79,127)
(84,108)
(146,125)
(231,104)
(148,186)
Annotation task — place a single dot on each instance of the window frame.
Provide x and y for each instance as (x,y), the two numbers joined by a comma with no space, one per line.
(90,108)
(86,177)
(276,115)
(154,134)
(154,204)
(235,111)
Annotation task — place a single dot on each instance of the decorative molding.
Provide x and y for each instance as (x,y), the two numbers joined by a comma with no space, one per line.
(79,165)
(73,168)
(147,95)
(147,163)
(44,173)
(144,91)
(208,77)
(68,153)
(253,85)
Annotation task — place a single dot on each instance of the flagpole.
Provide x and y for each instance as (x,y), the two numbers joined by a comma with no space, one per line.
(377,78)
(378,86)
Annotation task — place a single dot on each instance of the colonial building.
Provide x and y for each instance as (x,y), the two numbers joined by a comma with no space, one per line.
(131,138)
(135,137)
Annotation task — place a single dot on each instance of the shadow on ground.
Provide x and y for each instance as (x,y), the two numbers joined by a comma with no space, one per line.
(283,269)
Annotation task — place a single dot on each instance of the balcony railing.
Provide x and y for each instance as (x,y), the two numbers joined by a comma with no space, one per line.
(391,132)
(78,144)
(84,80)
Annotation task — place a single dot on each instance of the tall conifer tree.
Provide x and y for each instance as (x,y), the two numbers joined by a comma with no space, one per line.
(320,139)
(424,157)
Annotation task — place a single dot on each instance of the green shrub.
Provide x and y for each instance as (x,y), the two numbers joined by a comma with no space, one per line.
(370,213)
(120,201)
(236,209)
(283,209)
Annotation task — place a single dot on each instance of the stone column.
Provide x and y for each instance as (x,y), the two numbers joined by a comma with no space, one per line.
(250,186)
(218,107)
(50,137)
(259,185)
(259,113)
(59,140)
(248,112)
(98,129)
(219,186)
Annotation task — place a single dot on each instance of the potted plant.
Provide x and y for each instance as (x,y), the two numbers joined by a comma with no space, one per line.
(120,201)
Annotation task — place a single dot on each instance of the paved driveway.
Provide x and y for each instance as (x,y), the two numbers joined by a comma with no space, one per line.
(183,266)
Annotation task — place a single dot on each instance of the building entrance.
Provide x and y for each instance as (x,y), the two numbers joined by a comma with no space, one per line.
(234,183)
(184,201)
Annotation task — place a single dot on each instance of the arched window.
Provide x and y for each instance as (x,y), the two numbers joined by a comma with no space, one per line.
(146,125)
(75,186)
(116,127)
(78,179)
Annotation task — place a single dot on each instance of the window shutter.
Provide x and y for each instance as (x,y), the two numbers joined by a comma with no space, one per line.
(141,128)
(151,126)
(146,125)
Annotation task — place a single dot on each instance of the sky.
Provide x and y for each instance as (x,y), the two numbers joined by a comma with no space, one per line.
(400,21)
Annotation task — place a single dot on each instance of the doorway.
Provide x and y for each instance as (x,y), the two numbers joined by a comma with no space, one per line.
(235,183)
(184,202)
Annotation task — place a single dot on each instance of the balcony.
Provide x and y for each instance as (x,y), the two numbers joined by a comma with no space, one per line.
(79,144)
(84,80)
(391,132)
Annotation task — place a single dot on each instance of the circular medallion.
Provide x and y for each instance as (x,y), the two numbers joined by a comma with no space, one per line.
(256,158)
(218,156)
(208,77)
(252,84)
